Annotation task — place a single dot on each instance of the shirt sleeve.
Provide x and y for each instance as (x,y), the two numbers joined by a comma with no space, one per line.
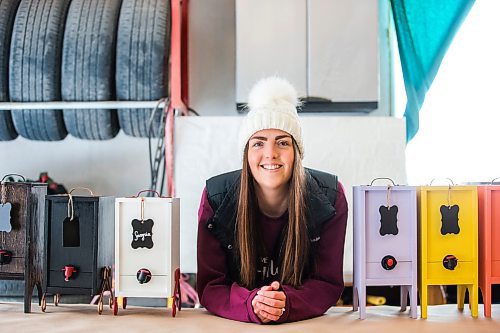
(217,293)
(324,287)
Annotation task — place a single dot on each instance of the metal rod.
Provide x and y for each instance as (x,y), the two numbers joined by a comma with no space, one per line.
(81,105)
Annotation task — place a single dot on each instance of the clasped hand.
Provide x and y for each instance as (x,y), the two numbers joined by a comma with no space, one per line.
(269,303)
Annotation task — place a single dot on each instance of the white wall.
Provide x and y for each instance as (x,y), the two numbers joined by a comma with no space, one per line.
(118,167)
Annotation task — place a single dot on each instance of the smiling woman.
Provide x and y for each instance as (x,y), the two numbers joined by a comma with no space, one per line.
(270,156)
(271,235)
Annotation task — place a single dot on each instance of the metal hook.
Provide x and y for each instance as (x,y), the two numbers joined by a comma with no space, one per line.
(81,188)
(451,181)
(155,192)
(12,174)
(379,178)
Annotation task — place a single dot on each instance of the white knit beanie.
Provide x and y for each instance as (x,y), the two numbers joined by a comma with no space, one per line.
(272,104)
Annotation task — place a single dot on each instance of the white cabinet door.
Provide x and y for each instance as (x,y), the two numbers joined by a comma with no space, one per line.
(270,40)
(343,51)
(325,48)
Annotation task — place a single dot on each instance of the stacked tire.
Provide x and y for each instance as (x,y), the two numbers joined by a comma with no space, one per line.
(142,58)
(35,67)
(82,50)
(88,60)
(7,13)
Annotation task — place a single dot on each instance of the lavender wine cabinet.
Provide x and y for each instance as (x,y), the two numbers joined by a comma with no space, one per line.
(385,242)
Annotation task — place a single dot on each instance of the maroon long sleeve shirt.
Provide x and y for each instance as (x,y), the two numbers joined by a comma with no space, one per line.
(319,291)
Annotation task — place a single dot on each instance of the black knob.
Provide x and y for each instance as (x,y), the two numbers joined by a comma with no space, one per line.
(389,262)
(143,275)
(5,257)
(450,262)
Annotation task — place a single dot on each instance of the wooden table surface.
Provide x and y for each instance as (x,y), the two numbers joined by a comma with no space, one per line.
(383,319)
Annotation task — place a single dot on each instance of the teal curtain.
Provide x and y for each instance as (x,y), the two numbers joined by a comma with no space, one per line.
(425,29)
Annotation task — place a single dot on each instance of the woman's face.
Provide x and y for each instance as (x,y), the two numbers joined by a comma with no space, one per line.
(271,156)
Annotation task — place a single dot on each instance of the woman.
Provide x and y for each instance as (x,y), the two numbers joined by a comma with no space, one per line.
(271,236)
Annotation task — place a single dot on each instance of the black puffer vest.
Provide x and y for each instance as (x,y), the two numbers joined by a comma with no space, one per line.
(223,193)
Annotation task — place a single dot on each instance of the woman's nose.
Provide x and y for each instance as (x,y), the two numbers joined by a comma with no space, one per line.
(270,150)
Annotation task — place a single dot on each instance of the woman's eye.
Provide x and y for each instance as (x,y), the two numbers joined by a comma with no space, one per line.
(257,144)
(283,143)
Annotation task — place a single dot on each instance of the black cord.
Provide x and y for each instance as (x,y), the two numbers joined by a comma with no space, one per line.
(150,157)
(162,177)
(158,163)
(193,111)
(150,130)
(159,154)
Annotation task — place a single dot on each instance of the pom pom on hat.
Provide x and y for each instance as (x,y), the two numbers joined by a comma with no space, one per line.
(272,92)
(272,104)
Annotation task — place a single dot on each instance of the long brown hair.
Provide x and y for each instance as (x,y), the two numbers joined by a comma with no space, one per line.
(296,241)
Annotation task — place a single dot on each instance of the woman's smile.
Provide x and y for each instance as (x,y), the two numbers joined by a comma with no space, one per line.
(271,167)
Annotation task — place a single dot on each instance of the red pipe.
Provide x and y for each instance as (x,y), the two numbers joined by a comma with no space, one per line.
(179,83)
(176,56)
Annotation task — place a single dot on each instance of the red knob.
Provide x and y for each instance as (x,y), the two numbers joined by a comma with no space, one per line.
(5,257)
(68,272)
(389,262)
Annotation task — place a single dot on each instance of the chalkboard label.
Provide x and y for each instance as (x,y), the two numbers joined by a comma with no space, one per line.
(142,234)
(5,224)
(388,220)
(71,232)
(449,219)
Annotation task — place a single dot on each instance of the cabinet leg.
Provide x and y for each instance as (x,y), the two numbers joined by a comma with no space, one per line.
(413,302)
(486,292)
(177,291)
(423,301)
(43,303)
(362,302)
(403,299)
(40,293)
(355,299)
(461,296)
(473,299)
(171,304)
(28,292)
